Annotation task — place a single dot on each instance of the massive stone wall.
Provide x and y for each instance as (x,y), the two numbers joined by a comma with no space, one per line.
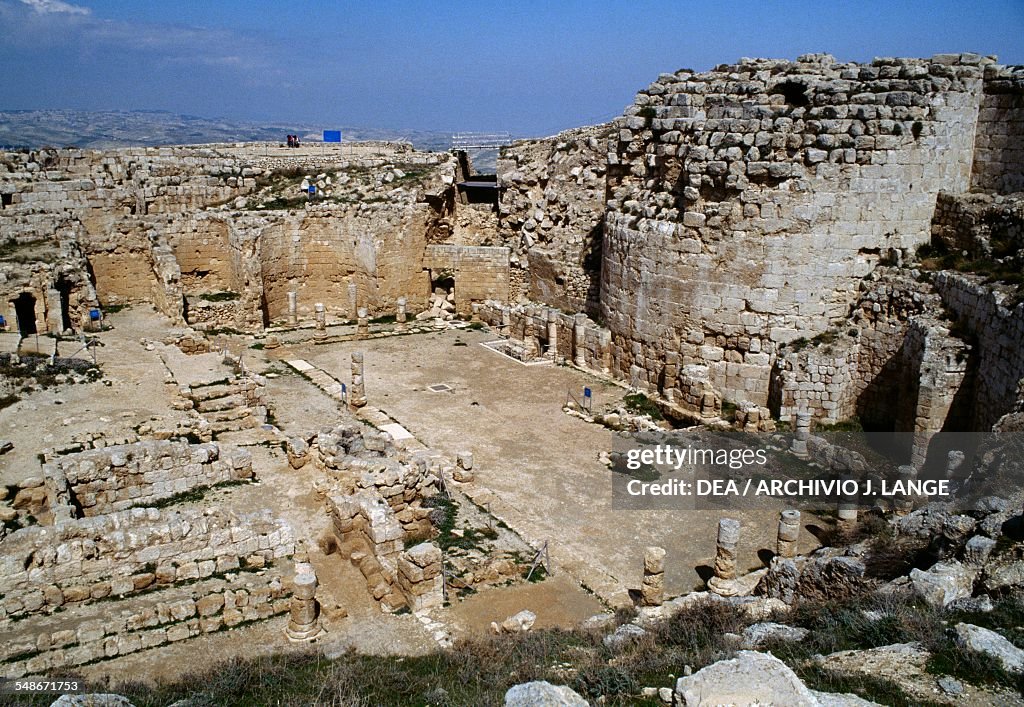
(745,204)
(981,226)
(165,225)
(551,214)
(999,145)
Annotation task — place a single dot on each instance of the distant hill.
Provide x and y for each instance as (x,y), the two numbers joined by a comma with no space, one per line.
(107,129)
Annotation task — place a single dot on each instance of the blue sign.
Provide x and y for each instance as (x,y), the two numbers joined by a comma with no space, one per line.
(587,393)
(343,389)
(94,314)
(312,188)
(332,136)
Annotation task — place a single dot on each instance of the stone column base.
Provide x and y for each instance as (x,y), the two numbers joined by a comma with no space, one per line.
(304,634)
(724,587)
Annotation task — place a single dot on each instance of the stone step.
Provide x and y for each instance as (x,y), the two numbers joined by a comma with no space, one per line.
(212,392)
(218,404)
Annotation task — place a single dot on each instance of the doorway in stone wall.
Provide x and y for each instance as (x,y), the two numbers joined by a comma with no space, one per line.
(25,308)
(442,280)
(64,289)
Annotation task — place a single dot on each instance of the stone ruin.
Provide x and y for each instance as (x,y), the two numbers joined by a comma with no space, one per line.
(378,500)
(94,586)
(748,235)
(769,241)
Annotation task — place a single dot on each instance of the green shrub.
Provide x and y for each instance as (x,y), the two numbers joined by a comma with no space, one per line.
(642,405)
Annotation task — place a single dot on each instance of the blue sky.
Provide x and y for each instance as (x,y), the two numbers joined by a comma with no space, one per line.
(528,67)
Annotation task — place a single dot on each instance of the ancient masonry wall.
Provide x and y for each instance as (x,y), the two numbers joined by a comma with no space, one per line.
(531,325)
(481,272)
(127,552)
(117,478)
(210,606)
(984,225)
(999,146)
(319,253)
(374,498)
(746,203)
(372,537)
(819,381)
(113,206)
(933,383)
(883,367)
(160,224)
(227,406)
(551,214)
(995,322)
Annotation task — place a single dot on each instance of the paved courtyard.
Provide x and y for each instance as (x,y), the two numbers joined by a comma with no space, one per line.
(541,463)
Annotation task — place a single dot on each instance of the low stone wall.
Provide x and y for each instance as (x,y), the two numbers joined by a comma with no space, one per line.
(99,481)
(213,606)
(819,381)
(420,577)
(204,314)
(359,458)
(81,560)
(999,142)
(227,406)
(190,344)
(577,338)
(372,537)
(551,214)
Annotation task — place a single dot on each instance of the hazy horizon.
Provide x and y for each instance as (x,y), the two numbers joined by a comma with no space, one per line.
(529,69)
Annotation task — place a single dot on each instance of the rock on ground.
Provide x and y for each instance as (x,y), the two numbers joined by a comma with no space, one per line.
(945,582)
(92,700)
(749,678)
(623,636)
(991,644)
(757,634)
(543,694)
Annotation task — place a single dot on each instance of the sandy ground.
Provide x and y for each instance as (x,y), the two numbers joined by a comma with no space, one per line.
(51,418)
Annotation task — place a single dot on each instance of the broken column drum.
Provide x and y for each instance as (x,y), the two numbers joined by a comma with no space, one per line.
(652,591)
(905,503)
(320,315)
(363,322)
(579,340)
(789,533)
(357,393)
(847,508)
(353,300)
(552,334)
(464,467)
(304,615)
(802,434)
(400,314)
(293,309)
(725,556)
